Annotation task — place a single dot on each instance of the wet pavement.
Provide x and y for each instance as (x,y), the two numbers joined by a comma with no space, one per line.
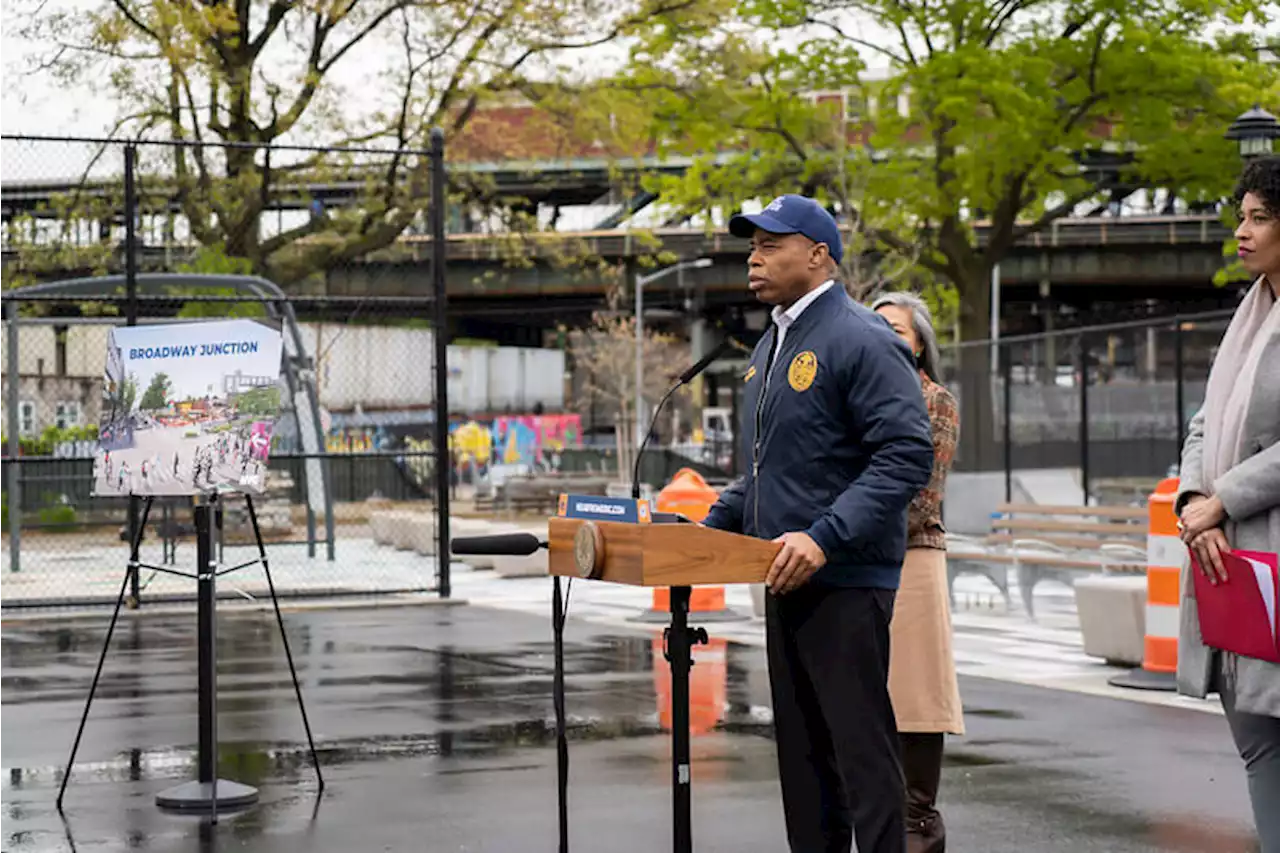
(435,730)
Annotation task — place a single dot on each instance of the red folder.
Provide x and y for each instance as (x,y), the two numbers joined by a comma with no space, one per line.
(1241,615)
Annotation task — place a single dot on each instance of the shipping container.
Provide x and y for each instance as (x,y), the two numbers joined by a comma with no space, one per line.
(375,367)
(506,379)
(382,367)
(544,379)
(468,379)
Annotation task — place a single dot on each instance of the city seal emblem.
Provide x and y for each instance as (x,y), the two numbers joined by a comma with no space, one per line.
(803,370)
(588,550)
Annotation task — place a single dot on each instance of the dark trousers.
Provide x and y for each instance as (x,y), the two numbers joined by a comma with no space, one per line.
(838,751)
(1258,742)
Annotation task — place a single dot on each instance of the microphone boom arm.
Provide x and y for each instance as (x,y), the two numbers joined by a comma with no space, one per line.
(688,376)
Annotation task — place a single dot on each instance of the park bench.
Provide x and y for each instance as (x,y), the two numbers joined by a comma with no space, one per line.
(1051,543)
(539,493)
(536,503)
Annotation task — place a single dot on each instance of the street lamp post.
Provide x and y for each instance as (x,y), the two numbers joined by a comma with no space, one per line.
(1255,131)
(641,281)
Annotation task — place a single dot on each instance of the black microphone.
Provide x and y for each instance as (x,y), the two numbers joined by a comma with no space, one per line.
(502,544)
(703,363)
(685,378)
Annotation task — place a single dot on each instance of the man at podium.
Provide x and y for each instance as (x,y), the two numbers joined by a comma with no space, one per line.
(837,437)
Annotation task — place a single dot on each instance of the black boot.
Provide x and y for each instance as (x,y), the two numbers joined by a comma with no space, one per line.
(922,765)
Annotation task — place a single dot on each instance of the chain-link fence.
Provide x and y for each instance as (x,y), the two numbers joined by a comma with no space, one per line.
(1092,415)
(102,235)
(1089,414)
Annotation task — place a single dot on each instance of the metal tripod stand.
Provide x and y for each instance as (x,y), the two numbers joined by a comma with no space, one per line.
(207,793)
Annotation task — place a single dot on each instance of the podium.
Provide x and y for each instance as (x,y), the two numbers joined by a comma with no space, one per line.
(680,556)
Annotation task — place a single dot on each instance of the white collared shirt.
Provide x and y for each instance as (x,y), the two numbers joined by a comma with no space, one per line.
(783,319)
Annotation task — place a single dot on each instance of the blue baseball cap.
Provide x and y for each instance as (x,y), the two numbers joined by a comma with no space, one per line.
(792,214)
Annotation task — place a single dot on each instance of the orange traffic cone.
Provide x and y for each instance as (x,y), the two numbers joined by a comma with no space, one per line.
(689,495)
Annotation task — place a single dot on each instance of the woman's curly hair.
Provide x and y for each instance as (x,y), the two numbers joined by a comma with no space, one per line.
(1262,178)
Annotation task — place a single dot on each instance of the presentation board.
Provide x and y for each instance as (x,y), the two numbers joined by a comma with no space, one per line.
(188,408)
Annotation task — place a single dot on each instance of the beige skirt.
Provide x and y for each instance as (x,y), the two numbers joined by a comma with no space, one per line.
(922,669)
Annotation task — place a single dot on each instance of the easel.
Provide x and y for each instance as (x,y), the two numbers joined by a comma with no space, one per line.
(207,793)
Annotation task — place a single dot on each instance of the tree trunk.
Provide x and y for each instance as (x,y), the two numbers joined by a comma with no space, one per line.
(242,231)
(974,378)
(624,443)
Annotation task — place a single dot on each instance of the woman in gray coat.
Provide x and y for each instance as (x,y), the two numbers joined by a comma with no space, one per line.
(1229,493)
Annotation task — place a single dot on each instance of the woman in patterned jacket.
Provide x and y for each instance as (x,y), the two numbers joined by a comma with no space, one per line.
(922,671)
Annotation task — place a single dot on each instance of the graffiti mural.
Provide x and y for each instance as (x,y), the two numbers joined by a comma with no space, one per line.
(530,439)
(354,441)
(478,448)
(471,443)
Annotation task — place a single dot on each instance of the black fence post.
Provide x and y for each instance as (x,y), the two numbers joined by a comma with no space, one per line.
(1179,392)
(13,470)
(131,319)
(1084,418)
(1006,376)
(444,471)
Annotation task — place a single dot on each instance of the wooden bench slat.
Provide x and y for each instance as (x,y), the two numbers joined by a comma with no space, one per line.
(1079,542)
(1064,526)
(1132,512)
(1049,560)
(1069,563)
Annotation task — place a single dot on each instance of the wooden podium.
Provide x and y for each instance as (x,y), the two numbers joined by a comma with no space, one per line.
(680,556)
(655,554)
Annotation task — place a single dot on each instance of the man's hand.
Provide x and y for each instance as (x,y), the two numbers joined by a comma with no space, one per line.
(1201,514)
(1209,548)
(799,558)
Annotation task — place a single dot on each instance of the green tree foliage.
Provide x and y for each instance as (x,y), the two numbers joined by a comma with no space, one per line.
(259,401)
(48,440)
(157,394)
(214,260)
(371,73)
(128,394)
(1001,112)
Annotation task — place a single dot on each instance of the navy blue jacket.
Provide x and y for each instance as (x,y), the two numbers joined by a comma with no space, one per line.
(838,444)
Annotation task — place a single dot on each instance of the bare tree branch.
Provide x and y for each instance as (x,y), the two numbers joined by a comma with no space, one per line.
(364,32)
(275,15)
(134,19)
(872,46)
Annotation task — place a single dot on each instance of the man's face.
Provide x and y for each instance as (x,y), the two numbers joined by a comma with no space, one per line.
(782,267)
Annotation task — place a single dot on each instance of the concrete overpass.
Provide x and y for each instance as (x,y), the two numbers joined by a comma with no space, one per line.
(1075,262)
(511,287)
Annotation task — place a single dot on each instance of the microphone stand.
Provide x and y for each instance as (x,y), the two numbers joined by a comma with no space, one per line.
(635,473)
(557,700)
(688,376)
(678,640)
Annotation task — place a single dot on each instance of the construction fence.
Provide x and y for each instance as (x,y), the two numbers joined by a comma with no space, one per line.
(1089,416)
(99,235)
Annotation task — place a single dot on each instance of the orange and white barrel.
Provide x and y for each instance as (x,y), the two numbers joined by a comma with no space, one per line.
(1166,555)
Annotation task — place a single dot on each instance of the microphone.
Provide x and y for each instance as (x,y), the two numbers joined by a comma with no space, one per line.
(685,378)
(502,544)
(703,363)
